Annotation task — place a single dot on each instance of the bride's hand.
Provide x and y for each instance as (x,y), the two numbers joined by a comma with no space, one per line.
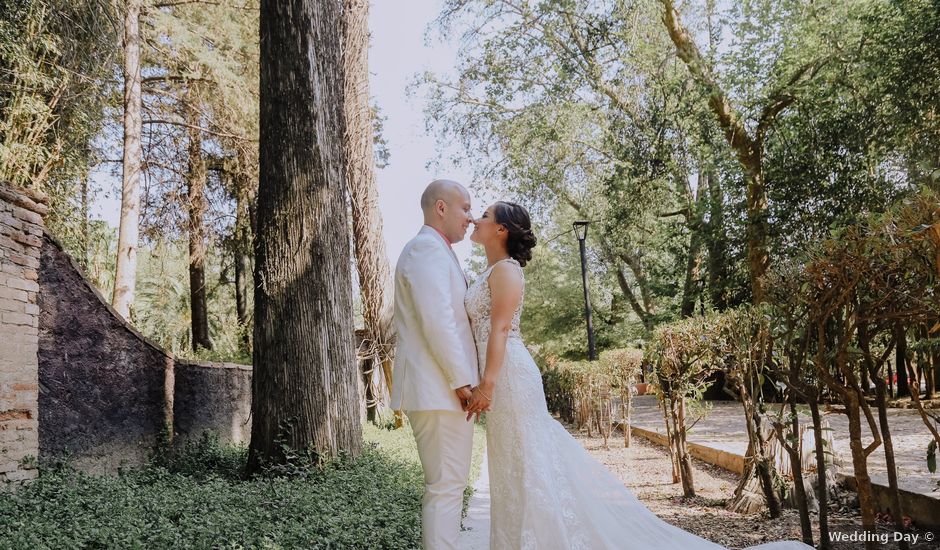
(480,400)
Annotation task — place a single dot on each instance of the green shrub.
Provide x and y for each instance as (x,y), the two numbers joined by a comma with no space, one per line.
(203,458)
(571,386)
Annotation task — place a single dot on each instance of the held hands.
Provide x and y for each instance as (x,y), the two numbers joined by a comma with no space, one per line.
(481,399)
(464,395)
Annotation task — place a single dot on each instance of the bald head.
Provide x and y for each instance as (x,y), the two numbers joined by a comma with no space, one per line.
(446,206)
(443,190)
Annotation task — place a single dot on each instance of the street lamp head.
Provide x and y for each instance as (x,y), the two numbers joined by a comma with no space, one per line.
(580,229)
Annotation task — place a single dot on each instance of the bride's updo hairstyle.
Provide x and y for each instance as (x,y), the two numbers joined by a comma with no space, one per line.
(516,220)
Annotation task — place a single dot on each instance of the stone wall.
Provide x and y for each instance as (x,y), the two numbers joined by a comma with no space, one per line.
(214,397)
(21,228)
(106,392)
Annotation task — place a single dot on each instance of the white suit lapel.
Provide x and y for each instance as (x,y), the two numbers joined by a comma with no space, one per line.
(450,251)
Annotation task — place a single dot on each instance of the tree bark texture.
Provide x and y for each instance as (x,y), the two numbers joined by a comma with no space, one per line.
(196,177)
(854,405)
(860,466)
(125,278)
(375,278)
(683,458)
(666,406)
(304,388)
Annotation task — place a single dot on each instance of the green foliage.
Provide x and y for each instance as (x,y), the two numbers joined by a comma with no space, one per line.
(162,308)
(683,354)
(576,111)
(583,111)
(203,458)
(55,60)
(553,316)
(196,499)
(573,386)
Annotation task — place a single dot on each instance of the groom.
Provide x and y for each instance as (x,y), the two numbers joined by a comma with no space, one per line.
(436,359)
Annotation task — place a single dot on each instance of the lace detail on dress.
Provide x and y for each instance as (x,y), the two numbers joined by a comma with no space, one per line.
(479,306)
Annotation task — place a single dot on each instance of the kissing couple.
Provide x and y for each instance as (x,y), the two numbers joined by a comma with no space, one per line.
(460,353)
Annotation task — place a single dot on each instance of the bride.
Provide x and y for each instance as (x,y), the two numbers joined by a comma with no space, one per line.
(546,491)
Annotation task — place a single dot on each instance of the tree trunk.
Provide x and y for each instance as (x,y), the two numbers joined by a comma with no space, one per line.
(873,367)
(243,244)
(690,288)
(685,461)
(125,277)
(924,364)
(863,488)
(852,401)
(627,401)
(670,437)
(765,471)
(196,176)
(822,488)
(243,267)
(375,278)
(796,465)
(898,512)
(717,245)
(757,466)
(865,372)
(900,359)
(758,259)
(304,386)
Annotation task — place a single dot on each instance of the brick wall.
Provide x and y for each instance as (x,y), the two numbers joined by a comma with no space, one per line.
(21,229)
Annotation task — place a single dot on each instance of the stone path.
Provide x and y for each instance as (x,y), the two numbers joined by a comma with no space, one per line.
(724,429)
(476,533)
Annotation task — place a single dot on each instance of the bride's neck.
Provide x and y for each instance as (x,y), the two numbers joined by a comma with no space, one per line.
(495,254)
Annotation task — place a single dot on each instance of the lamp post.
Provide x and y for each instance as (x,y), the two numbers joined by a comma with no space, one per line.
(580,229)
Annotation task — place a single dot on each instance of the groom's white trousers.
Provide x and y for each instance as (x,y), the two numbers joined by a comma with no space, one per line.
(445,444)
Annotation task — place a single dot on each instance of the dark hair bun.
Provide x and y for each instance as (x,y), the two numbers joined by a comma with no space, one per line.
(515,219)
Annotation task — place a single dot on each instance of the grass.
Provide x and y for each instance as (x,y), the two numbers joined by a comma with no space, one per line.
(195,499)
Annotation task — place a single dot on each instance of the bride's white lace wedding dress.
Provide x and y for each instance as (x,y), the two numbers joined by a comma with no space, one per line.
(546,491)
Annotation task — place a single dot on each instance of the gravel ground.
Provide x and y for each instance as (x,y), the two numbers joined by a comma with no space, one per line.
(646,469)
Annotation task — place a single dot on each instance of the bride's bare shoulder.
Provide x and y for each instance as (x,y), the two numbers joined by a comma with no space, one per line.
(505,274)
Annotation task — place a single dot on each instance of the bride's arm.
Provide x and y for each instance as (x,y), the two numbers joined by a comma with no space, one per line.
(505,283)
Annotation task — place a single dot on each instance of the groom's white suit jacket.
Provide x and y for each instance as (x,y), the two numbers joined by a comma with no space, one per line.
(435,350)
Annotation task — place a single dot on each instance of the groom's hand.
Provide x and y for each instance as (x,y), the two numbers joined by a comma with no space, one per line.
(479,402)
(464,394)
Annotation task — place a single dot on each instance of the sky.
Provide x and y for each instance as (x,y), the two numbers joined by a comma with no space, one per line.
(398,54)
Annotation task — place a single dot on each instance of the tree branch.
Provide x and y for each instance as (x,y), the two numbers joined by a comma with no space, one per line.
(195,127)
(729,119)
